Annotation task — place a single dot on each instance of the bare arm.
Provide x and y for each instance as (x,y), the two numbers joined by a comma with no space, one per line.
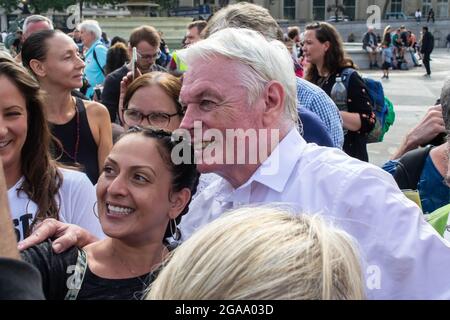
(8,240)
(105,143)
(100,115)
(18,279)
(351,120)
(431,125)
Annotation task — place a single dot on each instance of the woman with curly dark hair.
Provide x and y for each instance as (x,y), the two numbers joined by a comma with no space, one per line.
(142,193)
(324,51)
(37,187)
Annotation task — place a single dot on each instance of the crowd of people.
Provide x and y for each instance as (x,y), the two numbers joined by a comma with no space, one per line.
(397,47)
(120,186)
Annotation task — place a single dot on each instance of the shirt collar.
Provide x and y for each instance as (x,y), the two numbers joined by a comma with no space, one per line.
(275,172)
(270,173)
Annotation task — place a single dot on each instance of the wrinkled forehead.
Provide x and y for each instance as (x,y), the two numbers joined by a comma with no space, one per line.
(214,67)
(217,71)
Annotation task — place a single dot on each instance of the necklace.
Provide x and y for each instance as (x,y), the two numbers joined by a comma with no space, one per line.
(77,139)
(145,279)
(323,80)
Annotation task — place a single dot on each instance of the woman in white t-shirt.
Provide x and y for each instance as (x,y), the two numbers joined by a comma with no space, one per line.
(37,187)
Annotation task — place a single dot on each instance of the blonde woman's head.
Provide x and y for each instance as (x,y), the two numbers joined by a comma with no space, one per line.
(263,253)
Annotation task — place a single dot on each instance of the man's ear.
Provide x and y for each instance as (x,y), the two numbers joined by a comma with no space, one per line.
(38,68)
(274,97)
(178,201)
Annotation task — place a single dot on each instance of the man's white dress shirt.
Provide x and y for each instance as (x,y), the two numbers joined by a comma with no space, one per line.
(403,256)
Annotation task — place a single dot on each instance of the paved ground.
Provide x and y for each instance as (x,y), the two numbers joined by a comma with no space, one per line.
(411,95)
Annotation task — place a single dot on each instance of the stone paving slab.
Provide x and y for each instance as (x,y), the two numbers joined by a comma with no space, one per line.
(411,95)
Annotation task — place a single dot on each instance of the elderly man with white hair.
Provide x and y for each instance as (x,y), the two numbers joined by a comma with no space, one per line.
(236,80)
(95,56)
(239,96)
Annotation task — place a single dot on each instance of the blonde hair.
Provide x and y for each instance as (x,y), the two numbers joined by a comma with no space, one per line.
(263,253)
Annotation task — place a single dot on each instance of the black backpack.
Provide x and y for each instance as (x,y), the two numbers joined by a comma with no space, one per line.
(410,166)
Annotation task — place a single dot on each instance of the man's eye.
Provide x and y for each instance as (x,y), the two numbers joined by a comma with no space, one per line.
(207,104)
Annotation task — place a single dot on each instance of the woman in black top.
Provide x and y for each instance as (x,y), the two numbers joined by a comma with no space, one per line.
(141,196)
(387,36)
(324,51)
(82,127)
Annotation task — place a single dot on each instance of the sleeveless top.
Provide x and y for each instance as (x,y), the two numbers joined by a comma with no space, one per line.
(79,147)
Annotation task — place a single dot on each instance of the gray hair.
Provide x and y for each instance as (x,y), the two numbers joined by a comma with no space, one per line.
(33,19)
(91,26)
(445,102)
(262,61)
(245,15)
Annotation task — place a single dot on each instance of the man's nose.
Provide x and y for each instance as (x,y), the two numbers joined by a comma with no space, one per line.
(190,116)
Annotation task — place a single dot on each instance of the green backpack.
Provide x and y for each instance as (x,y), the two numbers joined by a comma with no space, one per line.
(390,117)
(438,219)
